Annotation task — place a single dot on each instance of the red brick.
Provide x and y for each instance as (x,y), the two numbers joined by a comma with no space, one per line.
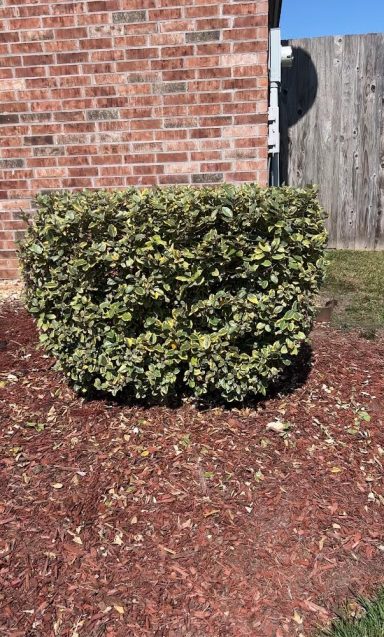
(61,21)
(68,7)
(39,59)
(39,162)
(65,69)
(205,132)
(82,160)
(71,34)
(11,60)
(167,39)
(13,107)
(167,65)
(77,183)
(249,47)
(9,36)
(92,19)
(32,10)
(64,46)
(110,182)
(37,35)
(177,51)
(96,43)
(171,157)
(5,73)
(91,99)
(250,21)
(152,169)
(26,47)
(181,74)
(213,23)
(203,62)
(206,109)
(174,179)
(155,15)
(251,118)
(103,5)
(210,98)
(9,273)
(224,120)
(32,71)
(245,8)
(25,23)
(83,171)
(206,155)
(176,25)
(200,11)
(212,49)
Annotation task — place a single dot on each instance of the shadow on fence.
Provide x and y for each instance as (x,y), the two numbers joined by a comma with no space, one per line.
(299,86)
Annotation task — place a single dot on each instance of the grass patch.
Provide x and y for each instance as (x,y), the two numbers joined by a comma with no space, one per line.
(368,623)
(356,280)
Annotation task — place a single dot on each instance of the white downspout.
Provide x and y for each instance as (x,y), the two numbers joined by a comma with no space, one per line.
(278,56)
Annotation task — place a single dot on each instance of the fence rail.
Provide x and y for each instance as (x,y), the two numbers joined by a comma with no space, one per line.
(333,133)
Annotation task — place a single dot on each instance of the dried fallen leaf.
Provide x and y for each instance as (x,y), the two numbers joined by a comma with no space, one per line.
(119,609)
(57,485)
(297,618)
(315,608)
(38,426)
(118,539)
(167,550)
(259,476)
(278,426)
(336,469)
(212,512)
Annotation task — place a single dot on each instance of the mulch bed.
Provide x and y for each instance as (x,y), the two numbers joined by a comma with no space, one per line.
(120,521)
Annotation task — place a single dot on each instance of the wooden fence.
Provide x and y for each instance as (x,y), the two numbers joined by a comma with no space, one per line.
(333,133)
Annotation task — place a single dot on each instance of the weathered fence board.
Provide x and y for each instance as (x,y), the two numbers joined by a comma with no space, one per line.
(333,132)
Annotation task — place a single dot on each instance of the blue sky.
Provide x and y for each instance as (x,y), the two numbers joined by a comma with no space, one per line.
(311,18)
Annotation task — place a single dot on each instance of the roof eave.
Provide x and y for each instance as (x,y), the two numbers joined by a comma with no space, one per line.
(274,13)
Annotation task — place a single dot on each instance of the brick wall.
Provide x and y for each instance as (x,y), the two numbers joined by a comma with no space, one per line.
(109,93)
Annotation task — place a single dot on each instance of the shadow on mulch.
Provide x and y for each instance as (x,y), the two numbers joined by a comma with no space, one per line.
(293,377)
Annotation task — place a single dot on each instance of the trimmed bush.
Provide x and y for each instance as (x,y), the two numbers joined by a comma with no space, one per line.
(157,291)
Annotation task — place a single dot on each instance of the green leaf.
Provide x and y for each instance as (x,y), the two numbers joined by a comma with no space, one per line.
(36,248)
(227,212)
(112,230)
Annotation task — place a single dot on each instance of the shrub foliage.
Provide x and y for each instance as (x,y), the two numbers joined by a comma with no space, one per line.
(156,291)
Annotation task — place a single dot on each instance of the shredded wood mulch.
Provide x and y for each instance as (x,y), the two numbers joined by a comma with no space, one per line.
(120,521)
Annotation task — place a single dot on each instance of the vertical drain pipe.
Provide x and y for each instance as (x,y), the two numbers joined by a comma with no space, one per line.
(273,112)
(278,56)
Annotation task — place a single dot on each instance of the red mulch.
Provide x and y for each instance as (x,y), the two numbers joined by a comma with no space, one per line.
(118,521)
